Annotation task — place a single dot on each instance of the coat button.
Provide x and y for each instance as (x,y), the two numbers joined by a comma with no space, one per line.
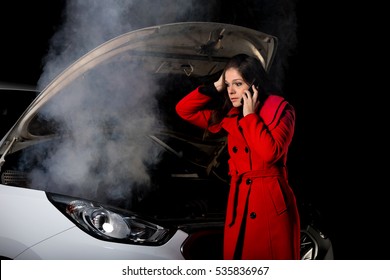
(248,181)
(235,149)
(246,150)
(252,215)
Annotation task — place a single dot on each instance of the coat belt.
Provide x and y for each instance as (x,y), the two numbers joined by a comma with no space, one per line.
(236,181)
(269,172)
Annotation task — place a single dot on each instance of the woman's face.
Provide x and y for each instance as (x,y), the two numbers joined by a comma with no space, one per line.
(235,85)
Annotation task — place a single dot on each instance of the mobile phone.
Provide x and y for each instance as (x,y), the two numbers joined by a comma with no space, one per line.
(250,89)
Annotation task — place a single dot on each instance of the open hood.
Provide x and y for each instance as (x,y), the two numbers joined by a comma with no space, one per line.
(191,49)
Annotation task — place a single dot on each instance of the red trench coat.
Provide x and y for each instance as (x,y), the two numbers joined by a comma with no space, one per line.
(262,220)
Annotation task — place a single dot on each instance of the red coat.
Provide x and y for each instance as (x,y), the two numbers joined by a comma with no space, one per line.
(262,216)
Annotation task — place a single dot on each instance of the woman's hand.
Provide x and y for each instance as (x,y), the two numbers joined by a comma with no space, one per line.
(250,101)
(220,84)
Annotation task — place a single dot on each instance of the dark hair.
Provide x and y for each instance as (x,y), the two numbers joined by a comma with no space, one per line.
(251,71)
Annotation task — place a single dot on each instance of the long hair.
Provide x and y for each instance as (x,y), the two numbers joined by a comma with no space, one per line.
(252,71)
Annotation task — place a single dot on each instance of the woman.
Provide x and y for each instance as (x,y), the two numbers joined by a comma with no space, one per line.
(262,220)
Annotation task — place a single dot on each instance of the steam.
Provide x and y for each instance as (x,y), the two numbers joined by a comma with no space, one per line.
(89,23)
(108,114)
(104,120)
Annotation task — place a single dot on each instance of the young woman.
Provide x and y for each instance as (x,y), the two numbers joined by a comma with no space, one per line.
(262,220)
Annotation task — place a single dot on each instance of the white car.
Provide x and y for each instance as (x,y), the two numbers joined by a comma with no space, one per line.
(100,167)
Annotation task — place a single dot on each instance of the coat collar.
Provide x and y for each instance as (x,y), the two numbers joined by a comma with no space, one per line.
(270,111)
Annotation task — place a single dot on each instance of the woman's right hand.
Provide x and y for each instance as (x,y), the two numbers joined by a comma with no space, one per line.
(220,84)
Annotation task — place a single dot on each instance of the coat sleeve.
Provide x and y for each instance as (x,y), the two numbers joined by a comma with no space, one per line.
(270,142)
(191,108)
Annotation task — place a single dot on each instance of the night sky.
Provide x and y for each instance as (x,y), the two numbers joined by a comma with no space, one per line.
(321,156)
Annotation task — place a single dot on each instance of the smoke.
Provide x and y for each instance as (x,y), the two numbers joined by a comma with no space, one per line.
(108,114)
(88,23)
(103,152)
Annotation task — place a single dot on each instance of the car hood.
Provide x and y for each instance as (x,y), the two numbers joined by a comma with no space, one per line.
(192,48)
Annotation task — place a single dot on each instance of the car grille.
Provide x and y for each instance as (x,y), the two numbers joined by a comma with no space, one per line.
(14,178)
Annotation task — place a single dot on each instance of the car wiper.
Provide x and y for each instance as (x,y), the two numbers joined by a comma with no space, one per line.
(2,159)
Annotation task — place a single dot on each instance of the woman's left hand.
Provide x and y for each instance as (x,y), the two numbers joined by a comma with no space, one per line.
(250,101)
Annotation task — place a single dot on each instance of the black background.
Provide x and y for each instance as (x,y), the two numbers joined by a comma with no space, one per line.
(328,165)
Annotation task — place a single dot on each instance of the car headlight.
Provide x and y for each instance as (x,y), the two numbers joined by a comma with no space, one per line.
(110,224)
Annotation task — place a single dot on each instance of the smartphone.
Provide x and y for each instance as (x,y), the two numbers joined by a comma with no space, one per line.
(250,89)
